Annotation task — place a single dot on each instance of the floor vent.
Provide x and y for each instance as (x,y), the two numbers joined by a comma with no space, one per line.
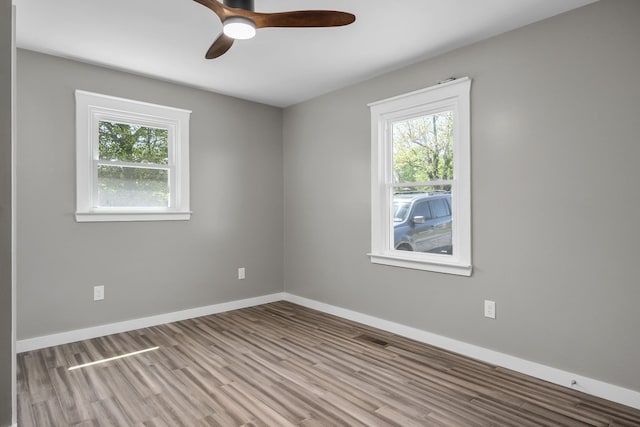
(372,340)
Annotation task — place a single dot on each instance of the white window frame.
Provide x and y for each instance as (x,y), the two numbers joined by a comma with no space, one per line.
(91,109)
(454,96)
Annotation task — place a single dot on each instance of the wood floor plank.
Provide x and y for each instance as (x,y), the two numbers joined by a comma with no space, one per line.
(282,365)
(35,378)
(109,413)
(74,398)
(48,414)
(25,411)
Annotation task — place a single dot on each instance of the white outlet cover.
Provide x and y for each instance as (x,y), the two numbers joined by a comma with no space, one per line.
(98,293)
(490,309)
(241,273)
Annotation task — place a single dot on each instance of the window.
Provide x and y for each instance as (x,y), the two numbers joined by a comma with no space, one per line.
(132,160)
(421,178)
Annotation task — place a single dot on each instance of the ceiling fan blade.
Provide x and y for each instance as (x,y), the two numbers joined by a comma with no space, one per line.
(302,18)
(218,8)
(219,47)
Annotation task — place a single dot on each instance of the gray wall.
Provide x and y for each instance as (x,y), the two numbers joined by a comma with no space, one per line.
(5,213)
(147,268)
(555,197)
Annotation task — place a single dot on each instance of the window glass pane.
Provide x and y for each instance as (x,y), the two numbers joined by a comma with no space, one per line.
(422,219)
(423,148)
(120,186)
(132,143)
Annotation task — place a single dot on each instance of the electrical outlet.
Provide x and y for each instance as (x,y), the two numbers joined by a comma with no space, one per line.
(98,293)
(490,309)
(241,274)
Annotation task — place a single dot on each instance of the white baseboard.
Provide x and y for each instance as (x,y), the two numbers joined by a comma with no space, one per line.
(145,322)
(584,384)
(564,378)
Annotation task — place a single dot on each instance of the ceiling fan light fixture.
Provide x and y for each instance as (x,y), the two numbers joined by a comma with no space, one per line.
(239,28)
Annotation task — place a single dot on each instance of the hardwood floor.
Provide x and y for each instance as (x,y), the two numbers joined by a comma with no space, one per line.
(281,364)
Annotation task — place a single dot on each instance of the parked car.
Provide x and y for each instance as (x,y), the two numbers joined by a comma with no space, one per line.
(422,222)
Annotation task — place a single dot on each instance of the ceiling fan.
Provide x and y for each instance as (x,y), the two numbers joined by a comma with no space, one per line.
(240,21)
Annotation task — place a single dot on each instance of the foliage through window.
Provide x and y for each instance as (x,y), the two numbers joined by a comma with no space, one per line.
(423,148)
(421,179)
(132,160)
(120,146)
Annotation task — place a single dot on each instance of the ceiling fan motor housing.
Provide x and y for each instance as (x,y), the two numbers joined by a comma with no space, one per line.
(240,4)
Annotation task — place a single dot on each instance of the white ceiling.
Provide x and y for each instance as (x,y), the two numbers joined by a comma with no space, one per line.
(167,39)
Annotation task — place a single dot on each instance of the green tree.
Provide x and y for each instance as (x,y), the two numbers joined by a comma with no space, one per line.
(423,148)
(132,143)
(126,185)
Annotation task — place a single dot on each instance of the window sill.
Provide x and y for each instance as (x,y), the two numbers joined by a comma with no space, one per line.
(444,266)
(127,216)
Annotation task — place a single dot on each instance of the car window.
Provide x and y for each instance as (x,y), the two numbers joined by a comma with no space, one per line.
(439,208)
(422,209)
(400,211)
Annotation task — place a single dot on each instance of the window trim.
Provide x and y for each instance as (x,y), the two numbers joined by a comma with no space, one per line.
(91,108)
(454,95)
